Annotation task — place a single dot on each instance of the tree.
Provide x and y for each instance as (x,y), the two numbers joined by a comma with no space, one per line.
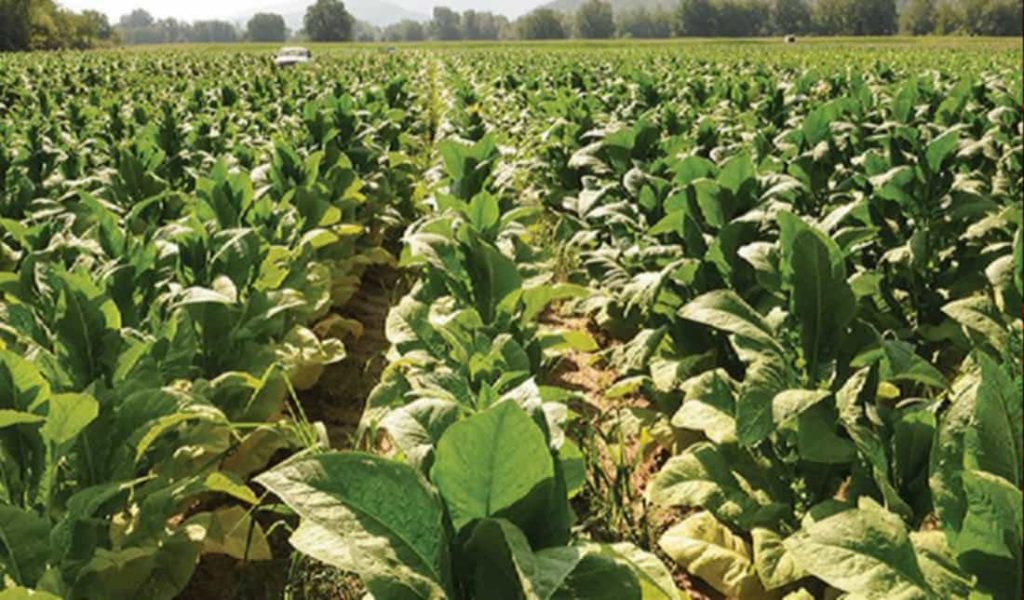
(97,24)
(918,17)
(213,32)
(14,25)
(855,17)
(740,18)
(406,30)
(997,17)
(136,18)
(365,32)
(328,21)
(44,25)
(471,23)
(173,31)
(695,18)
(446,25)
(877,17)
(595,20)
(640,23)
(478,25)
(790,16)
(541,24)
(266,27)
(947,18)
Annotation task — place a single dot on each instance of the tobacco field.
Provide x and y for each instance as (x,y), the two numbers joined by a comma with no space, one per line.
(539,322)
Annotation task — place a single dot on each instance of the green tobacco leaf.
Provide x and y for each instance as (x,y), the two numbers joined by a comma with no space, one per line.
(232,531)
(993,442)
(494,277)
(875,453)
(9,418)
(737,171)
(947,458)
(707,549)
(21,384)
(815,127)
(493,464)
(895,184)
(821,299)
(228,483)
(506,567)
(600,576)
(775,565)
(764,380)
(20,593)
(981,430)
(708,406)
(791,403)
(655,579)
(905,365)
(704,476)
(818,440)
(86,326)
(978,314)
(367,515)
(156,571)
(484,211)
(416,427)
(913,434)
(24,544)
(989,544)
(864,551)
(536,299)
(68,415)
(725,310)
(939,564)
(940,149)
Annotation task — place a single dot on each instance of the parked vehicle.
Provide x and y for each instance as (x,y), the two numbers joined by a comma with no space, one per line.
(288,57)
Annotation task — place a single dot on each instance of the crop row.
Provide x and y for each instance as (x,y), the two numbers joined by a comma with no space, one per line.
(169,235)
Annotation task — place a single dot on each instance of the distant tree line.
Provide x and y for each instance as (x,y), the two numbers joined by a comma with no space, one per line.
(44,25)
(325,21)
(595,19)
(140,27)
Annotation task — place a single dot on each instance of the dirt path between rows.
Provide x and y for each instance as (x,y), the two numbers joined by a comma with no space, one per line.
(337,401)
(339,398)
(613,495)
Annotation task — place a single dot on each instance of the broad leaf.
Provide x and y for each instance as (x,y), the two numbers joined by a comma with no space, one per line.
(725,310)
(367,515)
(775,565)
(864,551)
(821,299)
(493,464)
(707,549)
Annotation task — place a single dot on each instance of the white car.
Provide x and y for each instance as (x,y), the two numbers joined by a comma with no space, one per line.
(287,57)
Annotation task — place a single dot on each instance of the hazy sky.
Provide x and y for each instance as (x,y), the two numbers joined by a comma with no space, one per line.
(208,9)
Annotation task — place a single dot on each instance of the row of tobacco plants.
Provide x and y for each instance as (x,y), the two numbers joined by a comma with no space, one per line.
(171,226)
(814,275)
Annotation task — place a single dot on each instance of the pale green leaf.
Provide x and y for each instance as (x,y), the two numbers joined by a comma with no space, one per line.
(707,549)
